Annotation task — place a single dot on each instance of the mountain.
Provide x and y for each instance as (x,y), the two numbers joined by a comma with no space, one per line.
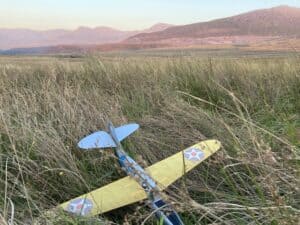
(273,22)
(157,27)
(267,29)
(98,35)
(26,38)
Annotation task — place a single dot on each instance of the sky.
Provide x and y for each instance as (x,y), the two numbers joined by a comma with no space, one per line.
(122,14)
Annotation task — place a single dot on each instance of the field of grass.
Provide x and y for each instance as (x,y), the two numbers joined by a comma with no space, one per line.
(251,105)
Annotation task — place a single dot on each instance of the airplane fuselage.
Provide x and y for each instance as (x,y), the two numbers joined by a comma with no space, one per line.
(163,211)
(134,170)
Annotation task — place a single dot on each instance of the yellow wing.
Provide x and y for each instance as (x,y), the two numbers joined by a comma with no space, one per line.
(117,194)
(127,191)
(170,169)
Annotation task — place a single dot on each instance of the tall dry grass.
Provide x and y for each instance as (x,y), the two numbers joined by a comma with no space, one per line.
(251,105)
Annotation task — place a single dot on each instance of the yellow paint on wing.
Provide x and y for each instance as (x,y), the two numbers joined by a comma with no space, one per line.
(170,169)
(117,194)
(127,191)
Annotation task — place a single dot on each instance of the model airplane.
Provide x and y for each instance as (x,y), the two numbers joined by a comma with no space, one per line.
(140,183)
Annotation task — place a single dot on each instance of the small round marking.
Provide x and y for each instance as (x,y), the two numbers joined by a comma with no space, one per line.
(80,206)
(193,154)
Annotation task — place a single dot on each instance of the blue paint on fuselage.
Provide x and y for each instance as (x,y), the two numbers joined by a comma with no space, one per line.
(167,214)
(135,170)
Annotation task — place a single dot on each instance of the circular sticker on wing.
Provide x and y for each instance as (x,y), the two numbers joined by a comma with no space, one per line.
(193,154)
(80,206)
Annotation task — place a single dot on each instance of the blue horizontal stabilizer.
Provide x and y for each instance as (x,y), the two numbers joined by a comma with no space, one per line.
(102,139)
(124,131)
(99,139)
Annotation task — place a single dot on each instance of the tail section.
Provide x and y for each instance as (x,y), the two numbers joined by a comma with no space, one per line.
(124,131)
(102,139)
(99,139)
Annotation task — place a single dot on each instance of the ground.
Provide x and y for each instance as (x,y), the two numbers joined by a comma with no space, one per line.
(247,100)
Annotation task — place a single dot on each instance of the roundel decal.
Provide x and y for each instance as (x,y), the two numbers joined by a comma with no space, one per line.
(193,154)
(80,206)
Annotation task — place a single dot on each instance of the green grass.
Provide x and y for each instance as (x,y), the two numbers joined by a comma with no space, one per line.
(251,105)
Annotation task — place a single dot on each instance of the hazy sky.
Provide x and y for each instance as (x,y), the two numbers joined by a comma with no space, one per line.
(122,14)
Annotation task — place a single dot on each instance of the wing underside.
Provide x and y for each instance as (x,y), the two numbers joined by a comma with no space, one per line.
(127,191)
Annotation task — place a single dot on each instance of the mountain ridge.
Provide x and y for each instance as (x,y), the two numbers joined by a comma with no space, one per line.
(26,38)
(281,20)
(264,29)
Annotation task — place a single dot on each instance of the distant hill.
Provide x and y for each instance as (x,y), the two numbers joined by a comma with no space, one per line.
(276,28)
(25,38)
(278,21)
(157,27)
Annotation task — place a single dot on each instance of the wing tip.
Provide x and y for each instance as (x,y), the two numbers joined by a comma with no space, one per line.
(213,144)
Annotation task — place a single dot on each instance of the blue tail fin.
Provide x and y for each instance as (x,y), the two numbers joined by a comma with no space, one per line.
(102,139)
